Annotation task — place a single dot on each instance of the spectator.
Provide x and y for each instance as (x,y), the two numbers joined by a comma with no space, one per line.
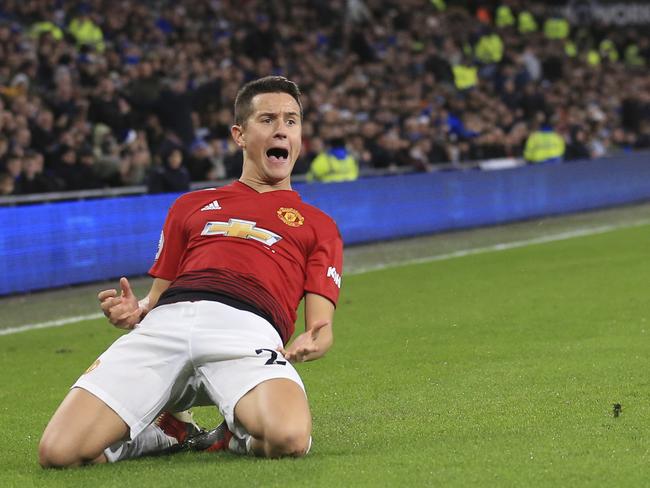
(44,138)
(66,169)
(174,107)
(4,150)
(22,140)
(171,176)
(13,167)
(109,108)
(577,146)
(89,175)
(143,91)
(6,184)
(135,161)
(260,40)
(200,163)
(233,159)
(370,67)
(32,179)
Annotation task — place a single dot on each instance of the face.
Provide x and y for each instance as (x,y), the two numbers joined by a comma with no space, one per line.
(14,166)
(175,159)
(271,140)
(6,186)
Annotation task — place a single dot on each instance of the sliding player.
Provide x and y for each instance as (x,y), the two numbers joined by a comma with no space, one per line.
(232,266)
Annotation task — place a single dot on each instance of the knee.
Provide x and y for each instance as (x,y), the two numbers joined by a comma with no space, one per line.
(293,442)
(52,455)
(58,453)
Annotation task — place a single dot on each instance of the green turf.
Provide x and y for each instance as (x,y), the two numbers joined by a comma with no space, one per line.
(497,369)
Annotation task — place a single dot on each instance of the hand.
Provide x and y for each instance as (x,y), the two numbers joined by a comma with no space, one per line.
(304,345)
(122,311)
(123,106)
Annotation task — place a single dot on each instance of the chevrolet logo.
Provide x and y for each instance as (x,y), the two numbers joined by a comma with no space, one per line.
(244,229)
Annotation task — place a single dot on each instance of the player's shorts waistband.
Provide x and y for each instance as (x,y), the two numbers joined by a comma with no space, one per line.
(175,295)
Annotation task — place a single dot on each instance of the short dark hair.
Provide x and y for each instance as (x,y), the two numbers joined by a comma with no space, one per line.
(268,84)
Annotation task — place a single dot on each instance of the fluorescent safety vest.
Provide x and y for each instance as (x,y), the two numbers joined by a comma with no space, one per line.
(632,56)
(41,27)
(504,17)
(527,22)
(570,49)
(489,49)
(465,77)
(544,146)
(86,32)
(556,28)
(593,58)
(608,50)
(326,167)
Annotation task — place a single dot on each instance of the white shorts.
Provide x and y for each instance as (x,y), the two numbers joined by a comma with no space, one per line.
(185,354)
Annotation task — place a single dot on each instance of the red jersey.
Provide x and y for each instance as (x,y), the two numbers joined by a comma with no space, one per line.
(262,249)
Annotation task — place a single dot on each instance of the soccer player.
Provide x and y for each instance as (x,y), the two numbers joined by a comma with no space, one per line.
(232,266)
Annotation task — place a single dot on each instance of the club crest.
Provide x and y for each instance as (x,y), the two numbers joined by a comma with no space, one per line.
(291,217)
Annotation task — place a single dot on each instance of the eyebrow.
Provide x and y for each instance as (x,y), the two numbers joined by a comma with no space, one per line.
(275,114)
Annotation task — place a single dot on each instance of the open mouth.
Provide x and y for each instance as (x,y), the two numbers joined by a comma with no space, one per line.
(277,155)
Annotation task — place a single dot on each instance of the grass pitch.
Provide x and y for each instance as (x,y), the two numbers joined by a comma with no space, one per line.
(496,369)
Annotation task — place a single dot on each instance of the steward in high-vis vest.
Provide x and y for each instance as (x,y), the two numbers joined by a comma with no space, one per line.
(593,57)
(544,146)
(336,164)
(465,77)
(85,31)
(504,16)
(570,49)
(43,27)
(633,56)
(489,49)
(608,50)
(556,28)
(526,22)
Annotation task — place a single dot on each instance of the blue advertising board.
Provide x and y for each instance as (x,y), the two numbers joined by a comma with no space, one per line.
(55,244)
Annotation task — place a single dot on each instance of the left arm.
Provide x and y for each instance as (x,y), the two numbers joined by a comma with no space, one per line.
(318,336)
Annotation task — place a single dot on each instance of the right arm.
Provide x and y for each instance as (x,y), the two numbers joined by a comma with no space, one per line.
(125,311)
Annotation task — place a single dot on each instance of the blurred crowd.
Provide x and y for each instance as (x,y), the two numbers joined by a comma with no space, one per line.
(103,93)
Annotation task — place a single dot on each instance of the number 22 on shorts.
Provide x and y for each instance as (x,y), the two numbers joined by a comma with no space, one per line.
(274,357)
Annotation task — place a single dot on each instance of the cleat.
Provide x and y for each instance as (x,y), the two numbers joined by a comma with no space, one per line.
(213,440)
(180,426)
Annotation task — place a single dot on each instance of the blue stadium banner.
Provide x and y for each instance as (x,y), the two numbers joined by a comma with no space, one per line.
(56,244)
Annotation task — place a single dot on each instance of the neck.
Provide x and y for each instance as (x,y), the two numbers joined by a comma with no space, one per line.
(262,186)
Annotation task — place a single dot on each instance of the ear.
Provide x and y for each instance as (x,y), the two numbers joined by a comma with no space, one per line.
(237,133)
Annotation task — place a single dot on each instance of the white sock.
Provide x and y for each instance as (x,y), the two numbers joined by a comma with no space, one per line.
(243,446)
(151,440)
(240,445)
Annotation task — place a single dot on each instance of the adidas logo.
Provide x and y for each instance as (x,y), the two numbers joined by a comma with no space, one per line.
(212,206)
